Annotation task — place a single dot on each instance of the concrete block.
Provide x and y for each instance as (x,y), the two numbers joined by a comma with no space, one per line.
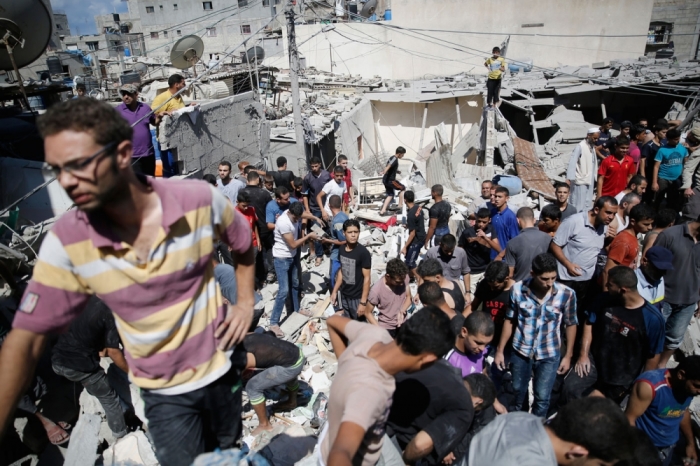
(133,449)
(82,449)
(293,323)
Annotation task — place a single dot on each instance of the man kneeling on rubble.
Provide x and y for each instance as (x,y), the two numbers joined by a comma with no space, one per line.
(281,362)
(361,393)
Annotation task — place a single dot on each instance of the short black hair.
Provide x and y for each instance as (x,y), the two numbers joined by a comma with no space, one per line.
(544,263)
(479,323)
(243,196)
(248,169)
(252,176)
(487,181)
(409,196)
(664,218)
(396,268)
(315,161)
(296,208)
(342,157)
(496,49)
(480,386)
(437,189)
(626,124)
(280,191)
(502,189)
(621,141)
(645,453)
(429,268)
(660,126)
(602,200)
(690,365)
(281,161)
(430,294)
(298,182)
(449,241)
(496,271)
(427,331)
(335,201)
(673,133)
(636,180)
(636,130)
(80,87)
(598,425)
(642,212)
(175,79)
(481,213)
(209,178)
(551,211)
(339,169)
(560,184)
(623,277)
(525,213)
(350,223)
(629,197)
(400,150)
(225,163)
(607,120)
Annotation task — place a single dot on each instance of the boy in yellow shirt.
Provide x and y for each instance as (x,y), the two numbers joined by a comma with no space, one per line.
(497,66)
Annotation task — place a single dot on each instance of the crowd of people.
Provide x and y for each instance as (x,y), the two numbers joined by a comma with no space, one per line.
(532,338)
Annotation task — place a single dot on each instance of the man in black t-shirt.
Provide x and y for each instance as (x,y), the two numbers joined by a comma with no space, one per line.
(430,414)
(390,183)
(493,295)
(281,362)
(282,176)
(76,357)
(415,223)
(439,217)
(353,279)
(478,241)
(264,266)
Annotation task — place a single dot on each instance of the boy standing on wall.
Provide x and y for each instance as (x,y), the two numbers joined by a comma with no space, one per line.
(497,66)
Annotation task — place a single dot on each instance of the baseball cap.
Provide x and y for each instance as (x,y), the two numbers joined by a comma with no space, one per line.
(660,257)
(696,132)
(129,89)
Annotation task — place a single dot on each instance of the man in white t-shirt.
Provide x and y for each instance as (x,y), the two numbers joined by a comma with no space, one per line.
(336,186)
(286,259)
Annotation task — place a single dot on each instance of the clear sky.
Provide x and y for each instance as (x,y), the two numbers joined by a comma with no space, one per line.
(81,13)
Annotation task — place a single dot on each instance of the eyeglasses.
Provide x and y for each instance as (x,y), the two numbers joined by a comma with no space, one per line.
(76,167)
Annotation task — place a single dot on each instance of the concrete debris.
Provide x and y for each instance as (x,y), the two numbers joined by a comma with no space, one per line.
(132,450)
(82,450)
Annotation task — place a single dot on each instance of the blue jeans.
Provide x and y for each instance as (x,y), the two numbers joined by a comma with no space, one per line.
(335,266)
(677,318)
(543,372)
(288,278)
(167,159)
(439,233)
(412,253)
(226,278)
(318,246)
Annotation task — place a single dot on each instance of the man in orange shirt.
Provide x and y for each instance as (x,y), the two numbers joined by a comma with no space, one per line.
(624,249)
(616,170)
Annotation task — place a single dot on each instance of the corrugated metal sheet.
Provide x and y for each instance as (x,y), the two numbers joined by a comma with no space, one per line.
(530,169)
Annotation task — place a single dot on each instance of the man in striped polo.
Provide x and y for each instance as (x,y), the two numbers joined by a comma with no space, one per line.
(144,246)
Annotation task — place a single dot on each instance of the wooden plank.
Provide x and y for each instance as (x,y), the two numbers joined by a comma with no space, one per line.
(530,169)
(323,351)
(320,307)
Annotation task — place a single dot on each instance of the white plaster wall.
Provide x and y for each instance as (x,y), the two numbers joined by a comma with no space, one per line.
(381,53)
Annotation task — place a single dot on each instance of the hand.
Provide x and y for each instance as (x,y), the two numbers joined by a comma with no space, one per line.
(325,240)
(467,298)
(612,232)
(234,327)
(690,454)
(500,361)
(259,246)
(574,270)
(312,236)
(416,299)
(403,251)
(333,298)
(361,310)
(583,366)
(689,192)
(449,459)
(325,216)
(471,240)
(564,365)
(568,182)
(655,187)
(500,409)
(480,234)
(319,221)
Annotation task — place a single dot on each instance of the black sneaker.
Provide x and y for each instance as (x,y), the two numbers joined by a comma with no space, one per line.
(271,278)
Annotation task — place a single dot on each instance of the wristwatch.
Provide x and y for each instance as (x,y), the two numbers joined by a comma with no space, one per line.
(363,304)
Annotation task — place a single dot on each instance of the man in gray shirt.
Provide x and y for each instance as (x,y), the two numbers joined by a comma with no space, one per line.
(583,431)
(530,243)
(682,284)
(577,244)
(453,259)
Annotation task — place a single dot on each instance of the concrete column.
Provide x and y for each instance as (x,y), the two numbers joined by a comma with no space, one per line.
(422,129)
(459,118)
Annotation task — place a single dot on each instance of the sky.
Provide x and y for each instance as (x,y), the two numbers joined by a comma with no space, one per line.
(81,13)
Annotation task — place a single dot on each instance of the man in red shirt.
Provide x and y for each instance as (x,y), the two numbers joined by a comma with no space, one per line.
(248,212)
(348,198)
(616,170)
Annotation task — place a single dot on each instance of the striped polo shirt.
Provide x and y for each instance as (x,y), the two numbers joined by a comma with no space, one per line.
(167,308)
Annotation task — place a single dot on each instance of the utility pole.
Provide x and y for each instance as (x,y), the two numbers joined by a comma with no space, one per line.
(294,78)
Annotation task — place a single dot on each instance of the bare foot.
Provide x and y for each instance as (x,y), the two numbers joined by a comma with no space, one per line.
(260,429)
(56,432)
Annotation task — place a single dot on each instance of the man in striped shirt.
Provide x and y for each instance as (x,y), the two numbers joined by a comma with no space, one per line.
(143,246)
(538,305)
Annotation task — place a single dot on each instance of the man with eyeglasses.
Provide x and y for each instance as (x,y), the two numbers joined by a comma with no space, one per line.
(140,117)
(144,246)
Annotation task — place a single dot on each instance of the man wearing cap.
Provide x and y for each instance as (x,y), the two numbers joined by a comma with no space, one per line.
(650,274)
(139,116)
(581,173)
(691,176)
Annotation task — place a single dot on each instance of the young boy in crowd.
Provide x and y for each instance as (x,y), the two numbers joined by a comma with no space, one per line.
(493,296)
(348,198)
(281,362)
(389,179)
(248,212)
(353,278)
(470,345)
(478,242)
(616,170)
(362,390)
(550,219)
(391,296)
(269,184)
(415,224)
(336,186)
(668,167)
(337,239)
(297,184)
(664,218)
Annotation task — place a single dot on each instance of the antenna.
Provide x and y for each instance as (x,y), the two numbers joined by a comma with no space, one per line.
(186,52)
(25,30)
(369,9)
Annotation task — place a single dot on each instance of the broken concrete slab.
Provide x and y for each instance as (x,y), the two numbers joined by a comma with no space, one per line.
(134,449)
(293,323)
(82,449)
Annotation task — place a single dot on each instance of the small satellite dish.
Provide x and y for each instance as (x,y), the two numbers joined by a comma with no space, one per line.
(141,69)
(127,25)
(186,52)
(369,8)
(254,55)
(25,27)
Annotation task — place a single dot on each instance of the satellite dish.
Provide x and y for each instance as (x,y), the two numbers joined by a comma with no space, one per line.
(254,55)
(369,8)
(141,69)
(25,27)
(128,25)
(186,52)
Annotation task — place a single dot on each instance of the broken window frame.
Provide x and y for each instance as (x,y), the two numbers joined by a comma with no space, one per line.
(93,46)
(660,33)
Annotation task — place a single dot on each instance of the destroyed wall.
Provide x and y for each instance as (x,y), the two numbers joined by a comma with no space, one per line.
(230,129)
(369,49)
(684,15)
(356,137)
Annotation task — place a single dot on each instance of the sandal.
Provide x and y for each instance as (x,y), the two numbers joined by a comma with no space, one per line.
(277,331)
(54,433)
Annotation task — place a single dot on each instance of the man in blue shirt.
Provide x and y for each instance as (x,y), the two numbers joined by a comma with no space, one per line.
(337,238)
(668,167)
(283,199)
(504,221)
